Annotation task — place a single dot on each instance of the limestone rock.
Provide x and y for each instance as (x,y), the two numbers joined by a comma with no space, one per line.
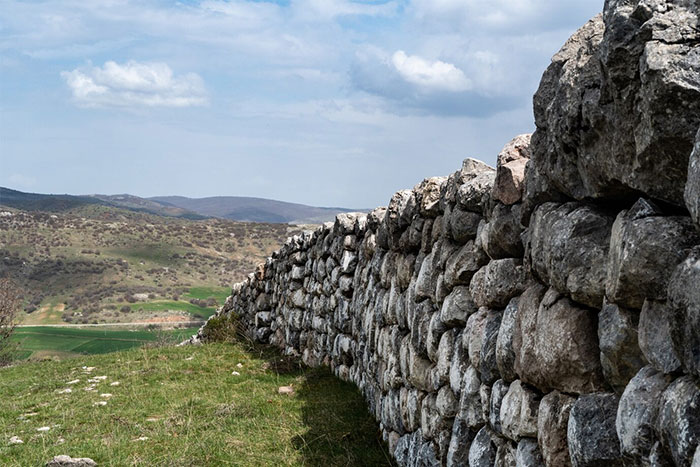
(498,392)
(655,336)
(620,355)
(496,283)
(547,355)
(67,461)
(505,355)
(510,170)
(591,433)
(518,412)
(692,187)
(528,454)
(638,411)
(617,110)
(475,194)
(463,263)
(460,442)
(679,420)
(552,423)
(463,225)
(482,452)
(568,249)
(457,307)
(500,237)
(488,367)
(643,248)
(684,298)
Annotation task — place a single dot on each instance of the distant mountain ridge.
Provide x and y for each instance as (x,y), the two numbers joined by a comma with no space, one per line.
(237,208)
(250,209)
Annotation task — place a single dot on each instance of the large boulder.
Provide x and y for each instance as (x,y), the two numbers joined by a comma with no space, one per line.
(644,247)
(518,411)
(679,420)
(638,411)
(556,343)
(510,170)
(655,336)
(591,432)
(684,298)
(496,283)
(617,110)
(619,351)
(552,424)
(568,249)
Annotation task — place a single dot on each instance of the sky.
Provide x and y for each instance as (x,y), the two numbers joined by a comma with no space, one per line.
(321,102)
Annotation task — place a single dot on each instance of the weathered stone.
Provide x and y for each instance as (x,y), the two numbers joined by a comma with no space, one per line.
(428,194)
(510,170)
(459,364)
(482,452)
(643,248)
(617,110)
(552,423)
(679,419)
(505,355)
(457,307)
(505,455)
(498,391)
(463,225)
(460,442)
(684,299)
(473,336)
(591,434)
(655,336)
(500,238)
(463,263)
(474,195)
(67,461)
(496,283)
(692,189)
(528,454)
(446,402)
(518,412)
(470,409)
(488,367)
(568,247)
(547,354)
(619,351)
(638,411)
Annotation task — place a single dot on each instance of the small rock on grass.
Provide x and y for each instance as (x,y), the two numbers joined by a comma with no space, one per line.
(285,390)
(16,440)
(67,461)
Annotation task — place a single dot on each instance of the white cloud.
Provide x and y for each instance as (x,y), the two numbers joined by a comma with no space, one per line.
(435,75)
(135,84)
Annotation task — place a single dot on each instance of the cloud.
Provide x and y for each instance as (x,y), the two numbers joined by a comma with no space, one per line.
(411,84)
(436,75)
(135,84)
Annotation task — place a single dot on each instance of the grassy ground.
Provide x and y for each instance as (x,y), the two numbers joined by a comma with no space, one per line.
(44,342)
(183,406)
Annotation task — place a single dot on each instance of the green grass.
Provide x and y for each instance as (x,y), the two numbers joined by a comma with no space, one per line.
(190,407)
(219,293)
(191,308)
(47,341)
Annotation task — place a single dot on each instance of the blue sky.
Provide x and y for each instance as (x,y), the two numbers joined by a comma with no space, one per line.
(323,102)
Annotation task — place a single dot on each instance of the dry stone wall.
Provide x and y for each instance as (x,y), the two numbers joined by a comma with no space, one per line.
(546,312)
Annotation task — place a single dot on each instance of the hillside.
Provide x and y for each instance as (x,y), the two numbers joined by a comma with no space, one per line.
(184,406)
(253,209)
(100,264)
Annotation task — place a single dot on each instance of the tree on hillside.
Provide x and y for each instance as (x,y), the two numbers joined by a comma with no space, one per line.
(9,303)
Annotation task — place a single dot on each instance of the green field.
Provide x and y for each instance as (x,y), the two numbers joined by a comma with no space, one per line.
(195,310)
(183,406)
(54,341)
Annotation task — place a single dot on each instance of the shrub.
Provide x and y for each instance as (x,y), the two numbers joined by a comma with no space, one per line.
(224,328)
(9,304)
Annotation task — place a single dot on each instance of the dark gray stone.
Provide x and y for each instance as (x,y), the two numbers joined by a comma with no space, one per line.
(684,299)
(457,307)
(482,452)
(528,454)
(568,248)
(679,420)
(500,238)
(505,355)
(498,391)
(643,249)
(638,411)
(487,362)
(496,283)
(692,187)
(463,225)
(655,336)
(619,351)
(463,263)
(617,110)
(591,433)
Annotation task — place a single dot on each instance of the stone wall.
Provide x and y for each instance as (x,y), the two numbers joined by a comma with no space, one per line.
(546,312)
